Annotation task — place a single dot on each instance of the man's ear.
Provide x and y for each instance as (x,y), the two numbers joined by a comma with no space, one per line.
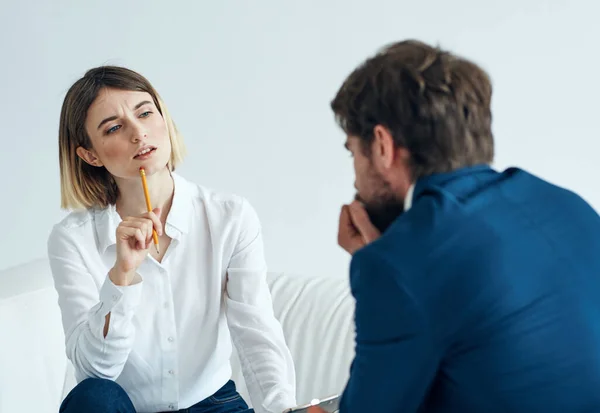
(88,156)
(385,153)
(383,148)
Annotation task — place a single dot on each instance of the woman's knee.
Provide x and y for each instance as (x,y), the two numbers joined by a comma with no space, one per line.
(97,396)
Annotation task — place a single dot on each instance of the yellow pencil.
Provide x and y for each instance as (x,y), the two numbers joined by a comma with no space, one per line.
(148,205)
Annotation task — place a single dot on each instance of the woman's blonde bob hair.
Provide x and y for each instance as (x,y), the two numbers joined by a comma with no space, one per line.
(83,186)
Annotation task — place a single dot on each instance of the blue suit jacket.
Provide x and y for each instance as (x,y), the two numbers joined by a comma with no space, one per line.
(483,297)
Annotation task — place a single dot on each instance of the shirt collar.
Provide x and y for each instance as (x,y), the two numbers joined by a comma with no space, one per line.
(181,213)
(409,197)
(178,221)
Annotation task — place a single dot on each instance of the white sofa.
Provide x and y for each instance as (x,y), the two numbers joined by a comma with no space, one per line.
(35,375)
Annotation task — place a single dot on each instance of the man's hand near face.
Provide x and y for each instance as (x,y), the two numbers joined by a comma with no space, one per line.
(355,228)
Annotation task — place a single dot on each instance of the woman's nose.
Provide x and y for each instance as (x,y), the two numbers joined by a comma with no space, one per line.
(138,133)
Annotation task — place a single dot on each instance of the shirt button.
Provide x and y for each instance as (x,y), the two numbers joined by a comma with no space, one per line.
(115,297)
(166,305)
(171,339)
(171,407)
(171,372)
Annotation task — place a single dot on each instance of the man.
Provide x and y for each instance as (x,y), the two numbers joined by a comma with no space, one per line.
(482,293)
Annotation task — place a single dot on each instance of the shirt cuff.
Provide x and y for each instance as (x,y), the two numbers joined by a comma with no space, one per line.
(120,299)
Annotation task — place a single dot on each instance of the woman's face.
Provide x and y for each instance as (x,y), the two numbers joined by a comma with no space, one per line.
(127,132)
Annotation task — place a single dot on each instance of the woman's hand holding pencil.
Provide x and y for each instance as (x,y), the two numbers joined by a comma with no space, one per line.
(134,236)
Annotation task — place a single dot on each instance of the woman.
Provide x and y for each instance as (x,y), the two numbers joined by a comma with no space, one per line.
(150,329)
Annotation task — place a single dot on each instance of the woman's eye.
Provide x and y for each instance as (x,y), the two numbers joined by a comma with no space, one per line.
(113,129)
(145,114)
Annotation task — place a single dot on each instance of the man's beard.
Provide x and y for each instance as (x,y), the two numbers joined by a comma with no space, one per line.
(383,210)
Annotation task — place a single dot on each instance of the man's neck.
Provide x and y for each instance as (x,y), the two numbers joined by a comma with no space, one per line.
(131,201)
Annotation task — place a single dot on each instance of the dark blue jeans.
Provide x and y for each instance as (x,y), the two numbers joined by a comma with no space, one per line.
(106,396)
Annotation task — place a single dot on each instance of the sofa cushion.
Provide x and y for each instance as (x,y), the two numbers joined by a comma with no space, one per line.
(316,314)
(32,352)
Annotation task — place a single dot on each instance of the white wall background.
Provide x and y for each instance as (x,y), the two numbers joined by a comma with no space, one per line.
(249,84)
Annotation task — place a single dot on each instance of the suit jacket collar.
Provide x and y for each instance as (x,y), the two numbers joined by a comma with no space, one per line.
(452,181)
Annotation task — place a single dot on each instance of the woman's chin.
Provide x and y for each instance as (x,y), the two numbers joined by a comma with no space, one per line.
(151,168)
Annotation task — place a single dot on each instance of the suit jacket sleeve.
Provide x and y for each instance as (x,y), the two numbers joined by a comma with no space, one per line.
(396,357)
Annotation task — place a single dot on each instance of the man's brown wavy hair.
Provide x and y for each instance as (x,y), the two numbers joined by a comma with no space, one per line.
(435,104)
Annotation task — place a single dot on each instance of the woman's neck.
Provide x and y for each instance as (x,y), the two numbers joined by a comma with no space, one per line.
(131,201)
